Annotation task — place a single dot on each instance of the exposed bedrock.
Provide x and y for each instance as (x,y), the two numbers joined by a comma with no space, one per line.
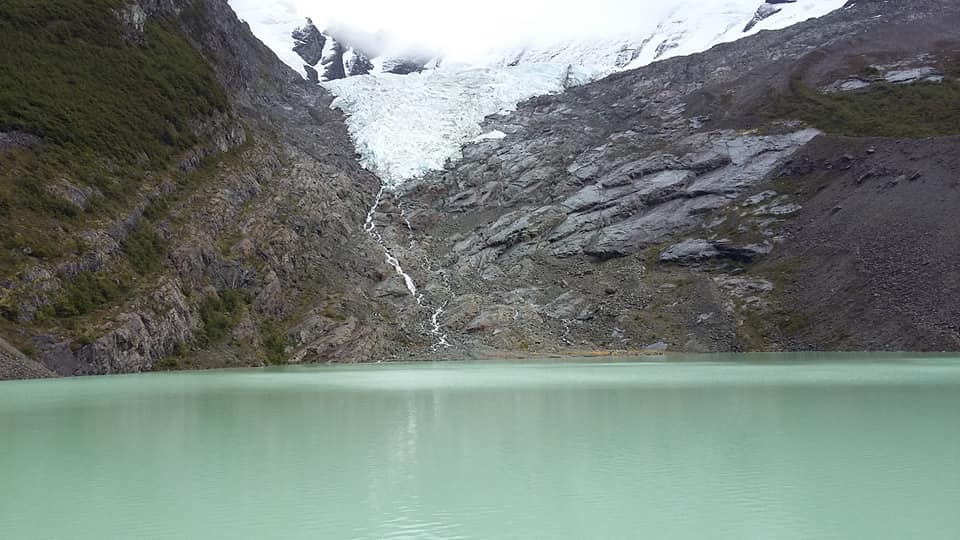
(659,205)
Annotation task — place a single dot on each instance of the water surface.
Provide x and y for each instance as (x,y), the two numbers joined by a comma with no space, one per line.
(819,447)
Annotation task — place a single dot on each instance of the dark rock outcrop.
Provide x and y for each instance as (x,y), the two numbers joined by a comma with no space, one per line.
(329,58)
(309,43)
(765,11)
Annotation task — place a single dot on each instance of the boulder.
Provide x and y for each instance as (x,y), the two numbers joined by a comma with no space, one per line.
(697,250)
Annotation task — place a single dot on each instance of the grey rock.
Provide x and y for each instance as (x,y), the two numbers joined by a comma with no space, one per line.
(161,324)
(765,11)
(778,209)
(650,227)
(491,320)
(699,250)
(133,18)
(692,250)
(658,346)
(404,66)
(513,228)
(905,76)
(741,286)
(393,288)
(78,196)
(270,300)
(308,42)
(761,197)
(569,306)
(16,140)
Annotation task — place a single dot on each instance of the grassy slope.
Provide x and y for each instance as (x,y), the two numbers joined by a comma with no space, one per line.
(885,110)
(111,112)
(108,111)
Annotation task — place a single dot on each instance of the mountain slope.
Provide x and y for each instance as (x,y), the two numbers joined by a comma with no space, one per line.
(730,200)
(406,126)
(183,229)
(623,40)
(687,27)
(793,190)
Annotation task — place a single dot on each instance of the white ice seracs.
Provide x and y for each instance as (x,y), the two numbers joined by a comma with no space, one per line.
(406,125)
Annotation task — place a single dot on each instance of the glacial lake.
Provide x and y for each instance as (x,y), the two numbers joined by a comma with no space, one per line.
(718,447)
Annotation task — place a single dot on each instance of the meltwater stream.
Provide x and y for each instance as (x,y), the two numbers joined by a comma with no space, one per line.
(767,447)
(407,125)
(436,328)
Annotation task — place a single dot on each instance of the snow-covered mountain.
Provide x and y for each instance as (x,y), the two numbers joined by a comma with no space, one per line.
(688,26)
(328,58)
(410,112)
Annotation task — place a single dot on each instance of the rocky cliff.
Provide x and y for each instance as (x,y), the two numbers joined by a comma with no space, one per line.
(329,58)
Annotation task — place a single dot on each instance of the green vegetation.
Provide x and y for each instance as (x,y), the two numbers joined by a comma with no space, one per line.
(73,79)
(884,110)
(766,326)
(89,291)
(220,314)
(274,342)
(144,249)
(107,109)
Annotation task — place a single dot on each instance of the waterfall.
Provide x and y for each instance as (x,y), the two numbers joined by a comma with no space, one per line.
(436,328)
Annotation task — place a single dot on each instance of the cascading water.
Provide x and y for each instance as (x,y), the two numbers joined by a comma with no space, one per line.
(406,125)
(371,229)
(436,328)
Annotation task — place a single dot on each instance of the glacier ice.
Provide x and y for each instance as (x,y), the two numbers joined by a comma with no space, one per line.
(494,135)
(406,125)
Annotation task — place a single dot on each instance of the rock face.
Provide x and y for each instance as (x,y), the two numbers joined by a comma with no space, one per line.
(309,43)
(765,11)
(329,58)
(697,250)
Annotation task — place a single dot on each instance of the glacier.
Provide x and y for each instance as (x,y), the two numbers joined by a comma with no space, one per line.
(407,125)
(404,126)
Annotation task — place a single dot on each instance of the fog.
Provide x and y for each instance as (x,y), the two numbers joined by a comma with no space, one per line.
(462,28)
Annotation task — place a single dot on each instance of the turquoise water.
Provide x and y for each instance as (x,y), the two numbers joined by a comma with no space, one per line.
(814,447)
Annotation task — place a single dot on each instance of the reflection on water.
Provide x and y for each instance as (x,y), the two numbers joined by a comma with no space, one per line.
(852,449)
